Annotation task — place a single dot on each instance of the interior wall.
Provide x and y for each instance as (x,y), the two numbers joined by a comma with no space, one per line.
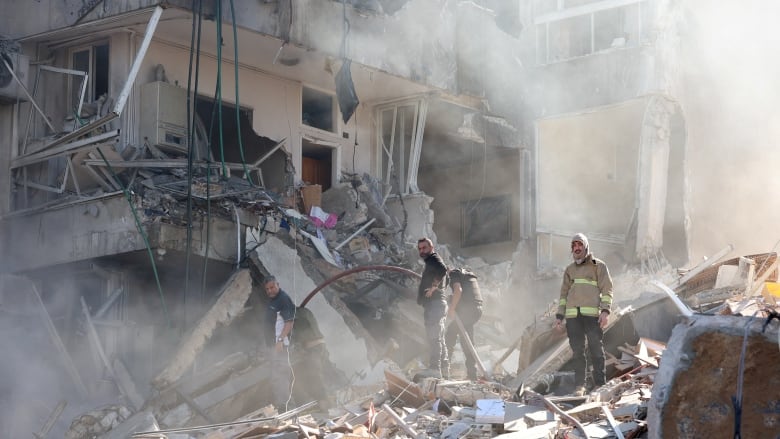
(587,171)
(453,186)
(275,101)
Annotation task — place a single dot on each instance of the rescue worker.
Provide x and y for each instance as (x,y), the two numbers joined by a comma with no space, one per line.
(430,295)
(466,303)
(585,303)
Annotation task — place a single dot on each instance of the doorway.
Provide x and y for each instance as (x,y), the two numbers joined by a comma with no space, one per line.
(316,164)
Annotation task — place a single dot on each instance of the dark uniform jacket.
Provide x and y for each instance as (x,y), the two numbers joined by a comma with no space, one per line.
(471,296)
(434,270)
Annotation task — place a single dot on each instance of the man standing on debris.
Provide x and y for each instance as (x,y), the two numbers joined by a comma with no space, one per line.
(585,303)
(466,303)
(431,296)
(279,317)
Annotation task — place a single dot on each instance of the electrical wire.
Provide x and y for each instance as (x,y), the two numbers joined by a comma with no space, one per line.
(143,235)
(219,88)
(737,400)
(238,102)
(190,149)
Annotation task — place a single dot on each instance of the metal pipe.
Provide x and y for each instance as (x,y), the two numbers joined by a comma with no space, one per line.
(363,227)
(467,342)
(357,270)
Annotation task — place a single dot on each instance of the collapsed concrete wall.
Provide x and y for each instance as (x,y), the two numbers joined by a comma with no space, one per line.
(347,351)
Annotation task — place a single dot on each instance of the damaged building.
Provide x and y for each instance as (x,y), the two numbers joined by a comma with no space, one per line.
(161,159)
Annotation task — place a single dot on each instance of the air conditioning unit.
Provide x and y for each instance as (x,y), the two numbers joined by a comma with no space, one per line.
(10,90)
(164,116)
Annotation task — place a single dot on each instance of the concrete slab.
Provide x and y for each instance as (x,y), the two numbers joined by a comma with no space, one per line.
(699,376)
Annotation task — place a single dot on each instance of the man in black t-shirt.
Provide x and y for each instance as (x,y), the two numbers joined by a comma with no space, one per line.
(466,302)
(280,316)
(431,296)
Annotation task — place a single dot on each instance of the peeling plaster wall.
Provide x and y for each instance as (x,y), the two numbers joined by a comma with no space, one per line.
(346,351)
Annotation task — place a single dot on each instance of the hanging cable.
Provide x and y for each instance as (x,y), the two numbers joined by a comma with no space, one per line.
(140,228)
(208,228)
(219,88)
(191,115)
(238,102)
(737,400)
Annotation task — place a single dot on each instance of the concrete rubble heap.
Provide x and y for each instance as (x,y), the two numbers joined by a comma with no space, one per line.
(225,399)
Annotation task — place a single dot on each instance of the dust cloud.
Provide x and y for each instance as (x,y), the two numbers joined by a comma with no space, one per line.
(729,67)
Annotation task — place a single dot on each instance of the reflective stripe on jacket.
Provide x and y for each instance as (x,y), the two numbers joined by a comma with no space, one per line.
(586,286)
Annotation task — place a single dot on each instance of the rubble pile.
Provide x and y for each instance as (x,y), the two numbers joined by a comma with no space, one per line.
(433,407)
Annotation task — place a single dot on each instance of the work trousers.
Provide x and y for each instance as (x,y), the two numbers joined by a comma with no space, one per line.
(468,316)
(580,329)
(281,379)
(434,314)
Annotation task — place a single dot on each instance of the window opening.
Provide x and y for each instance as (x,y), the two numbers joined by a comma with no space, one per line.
(401,129)
(317,110)
(568,29)
(94,60)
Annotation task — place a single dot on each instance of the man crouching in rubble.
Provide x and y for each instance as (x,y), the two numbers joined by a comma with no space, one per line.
(466,303)
(431,296)
(280,316)
(585,302)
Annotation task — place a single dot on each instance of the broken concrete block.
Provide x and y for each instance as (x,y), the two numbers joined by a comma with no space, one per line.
(540,418)
(455,430)
(514,415)
(490,411)
(706,350)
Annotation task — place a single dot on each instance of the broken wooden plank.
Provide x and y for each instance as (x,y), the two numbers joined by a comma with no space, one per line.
(612,423)
(401,388)
(230,304)
(654,346)
(644,359)
(702,266)
(400,422)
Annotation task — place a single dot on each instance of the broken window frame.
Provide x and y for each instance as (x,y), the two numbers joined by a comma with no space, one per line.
(562,14)
(87,91)
(67,145)
(407,178)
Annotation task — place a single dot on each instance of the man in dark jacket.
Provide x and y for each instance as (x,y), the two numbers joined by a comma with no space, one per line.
(466,303)
(431,296)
